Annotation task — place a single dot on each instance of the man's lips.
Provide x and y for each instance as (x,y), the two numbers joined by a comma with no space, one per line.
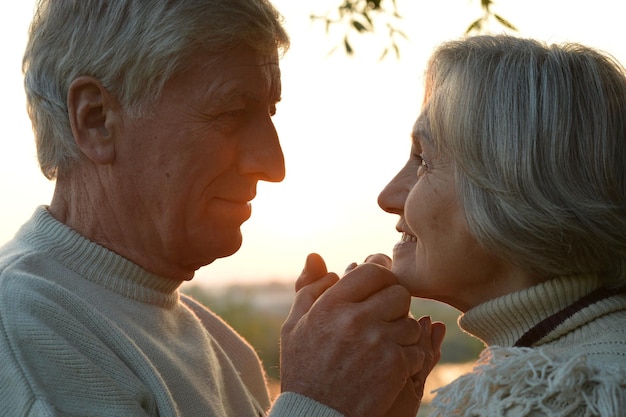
(240,209)
(236,200)
(242,196)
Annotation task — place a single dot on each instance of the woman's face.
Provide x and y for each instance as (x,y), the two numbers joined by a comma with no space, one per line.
(437,256)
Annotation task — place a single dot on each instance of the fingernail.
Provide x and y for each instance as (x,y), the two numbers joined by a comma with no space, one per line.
(439,332)
(350,267)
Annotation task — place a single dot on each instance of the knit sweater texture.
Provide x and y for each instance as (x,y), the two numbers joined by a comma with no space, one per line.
(86,332)
(578,369)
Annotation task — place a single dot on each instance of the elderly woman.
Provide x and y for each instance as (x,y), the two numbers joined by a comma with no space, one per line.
(512,209)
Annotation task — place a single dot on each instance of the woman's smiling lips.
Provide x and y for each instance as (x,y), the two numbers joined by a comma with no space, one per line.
(407,242)
(407,237)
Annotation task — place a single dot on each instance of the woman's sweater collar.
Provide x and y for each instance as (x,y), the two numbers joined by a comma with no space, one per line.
(502,321)
(97,263)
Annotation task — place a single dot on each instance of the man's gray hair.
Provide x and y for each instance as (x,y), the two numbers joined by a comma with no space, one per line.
(132,47)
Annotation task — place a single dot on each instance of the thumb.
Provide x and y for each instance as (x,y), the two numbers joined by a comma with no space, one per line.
(312,282)
(314,269)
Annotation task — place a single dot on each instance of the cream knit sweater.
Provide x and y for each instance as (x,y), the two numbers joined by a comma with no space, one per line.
(85,332)
(578,369)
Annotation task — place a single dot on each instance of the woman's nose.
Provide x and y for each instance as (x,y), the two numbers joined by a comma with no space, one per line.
(393,196)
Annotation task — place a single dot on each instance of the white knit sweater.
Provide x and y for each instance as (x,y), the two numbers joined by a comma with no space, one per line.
(577,369)
(85,332)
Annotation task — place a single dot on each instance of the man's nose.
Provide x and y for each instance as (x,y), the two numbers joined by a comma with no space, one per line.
(262,155)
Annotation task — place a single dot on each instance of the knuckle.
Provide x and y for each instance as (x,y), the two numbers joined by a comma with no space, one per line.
(369,268)
(413,329)
(347,322)
(375,271)
(429,358)
(400,295)
(287,329)
(379,259)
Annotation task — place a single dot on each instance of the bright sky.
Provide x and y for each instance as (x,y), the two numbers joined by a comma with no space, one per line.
(344,125)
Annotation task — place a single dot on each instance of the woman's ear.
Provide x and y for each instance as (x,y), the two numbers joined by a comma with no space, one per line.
(92,112)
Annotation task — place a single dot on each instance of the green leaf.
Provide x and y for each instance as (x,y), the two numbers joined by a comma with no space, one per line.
(384,54)
(348,5)
(396,49)
(393,31)
(332,51)
(328,26)
(505,22)
(359,26)
(475,26)
(347,45)
(368,18)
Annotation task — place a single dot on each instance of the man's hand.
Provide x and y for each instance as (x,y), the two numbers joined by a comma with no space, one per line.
(350,343)
(431,336)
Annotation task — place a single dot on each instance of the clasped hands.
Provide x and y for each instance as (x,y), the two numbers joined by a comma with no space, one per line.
(352,344)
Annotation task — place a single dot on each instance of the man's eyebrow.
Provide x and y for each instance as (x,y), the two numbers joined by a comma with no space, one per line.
(249,96)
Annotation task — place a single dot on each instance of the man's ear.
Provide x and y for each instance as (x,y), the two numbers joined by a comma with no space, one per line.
(92,113)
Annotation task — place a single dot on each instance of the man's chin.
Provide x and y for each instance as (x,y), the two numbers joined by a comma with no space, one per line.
(226,248)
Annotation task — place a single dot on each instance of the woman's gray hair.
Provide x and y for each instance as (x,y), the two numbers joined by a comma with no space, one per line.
(537,134)
(132,47)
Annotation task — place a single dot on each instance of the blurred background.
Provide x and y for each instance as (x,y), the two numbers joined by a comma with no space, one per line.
(352,85)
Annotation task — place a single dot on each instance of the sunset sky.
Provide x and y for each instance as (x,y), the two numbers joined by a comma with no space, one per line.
(344,124)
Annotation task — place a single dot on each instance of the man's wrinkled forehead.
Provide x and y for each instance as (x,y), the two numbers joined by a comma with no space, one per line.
(269,69)
(243,74)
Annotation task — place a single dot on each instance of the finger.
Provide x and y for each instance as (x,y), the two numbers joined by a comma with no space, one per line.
(429,344)
(307,296)
(419,383)
(414,359)
(404,332)
(350,267)
(379,259)
(362,282)
(314,269)
(437,334)
(389,304)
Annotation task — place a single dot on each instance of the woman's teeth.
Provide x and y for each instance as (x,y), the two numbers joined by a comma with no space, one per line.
(408,238)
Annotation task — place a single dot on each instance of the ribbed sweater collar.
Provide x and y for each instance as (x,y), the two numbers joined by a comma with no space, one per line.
(97,263)
(502,321)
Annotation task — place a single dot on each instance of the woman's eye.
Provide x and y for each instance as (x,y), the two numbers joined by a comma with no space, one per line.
(422,164)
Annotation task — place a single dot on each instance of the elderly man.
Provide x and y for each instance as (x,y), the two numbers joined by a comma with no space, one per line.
(155,119)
